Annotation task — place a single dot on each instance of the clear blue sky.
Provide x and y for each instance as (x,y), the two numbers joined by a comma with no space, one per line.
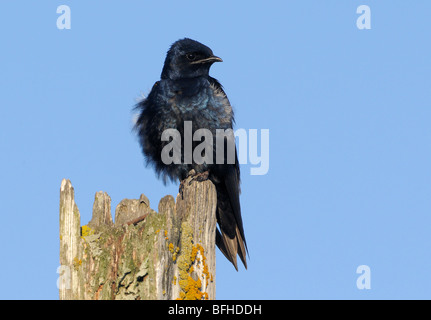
(348,110)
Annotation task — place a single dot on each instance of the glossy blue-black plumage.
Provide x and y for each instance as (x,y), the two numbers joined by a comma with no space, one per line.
(186,92)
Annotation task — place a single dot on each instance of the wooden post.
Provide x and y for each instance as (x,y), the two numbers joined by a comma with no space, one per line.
(144,255)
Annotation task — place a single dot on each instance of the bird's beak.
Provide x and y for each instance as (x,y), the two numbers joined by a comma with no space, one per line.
(211,59)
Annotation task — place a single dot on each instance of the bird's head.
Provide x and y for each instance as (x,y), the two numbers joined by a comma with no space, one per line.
(188,58)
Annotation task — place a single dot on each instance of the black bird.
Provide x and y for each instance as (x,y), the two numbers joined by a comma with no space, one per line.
(186,92)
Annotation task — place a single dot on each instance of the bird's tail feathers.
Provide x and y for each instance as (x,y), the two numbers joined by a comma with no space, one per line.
(230,247)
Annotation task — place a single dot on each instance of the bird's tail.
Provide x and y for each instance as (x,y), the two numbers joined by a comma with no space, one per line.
(231,247)
(230,237)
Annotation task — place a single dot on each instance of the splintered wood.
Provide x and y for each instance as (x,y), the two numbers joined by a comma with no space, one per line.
(144,254)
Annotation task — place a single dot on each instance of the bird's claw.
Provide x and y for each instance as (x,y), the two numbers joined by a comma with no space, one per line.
(199,177)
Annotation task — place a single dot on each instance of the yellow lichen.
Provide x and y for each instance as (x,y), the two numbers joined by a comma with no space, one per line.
(86,231)
(76,263)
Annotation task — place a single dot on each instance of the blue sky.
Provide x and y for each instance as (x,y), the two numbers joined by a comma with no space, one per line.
(348,112)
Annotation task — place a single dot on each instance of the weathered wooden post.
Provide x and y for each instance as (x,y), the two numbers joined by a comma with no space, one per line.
(145,254)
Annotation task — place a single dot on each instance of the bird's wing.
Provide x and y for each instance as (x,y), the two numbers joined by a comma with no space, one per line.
(230,239)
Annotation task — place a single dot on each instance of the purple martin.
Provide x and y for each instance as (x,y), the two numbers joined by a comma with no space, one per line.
(186,92)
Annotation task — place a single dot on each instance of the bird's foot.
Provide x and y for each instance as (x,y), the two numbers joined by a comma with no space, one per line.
(199,177)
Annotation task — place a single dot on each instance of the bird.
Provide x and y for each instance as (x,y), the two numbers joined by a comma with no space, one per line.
(186,92)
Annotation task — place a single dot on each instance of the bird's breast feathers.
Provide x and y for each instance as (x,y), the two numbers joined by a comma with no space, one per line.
(204,104)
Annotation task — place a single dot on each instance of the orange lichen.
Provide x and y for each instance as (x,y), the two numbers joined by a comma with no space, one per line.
(76,263)
(194,253)
(192,266)
(171,248)
(192,289)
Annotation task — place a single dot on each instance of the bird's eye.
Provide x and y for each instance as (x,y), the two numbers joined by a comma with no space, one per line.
(191,56)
